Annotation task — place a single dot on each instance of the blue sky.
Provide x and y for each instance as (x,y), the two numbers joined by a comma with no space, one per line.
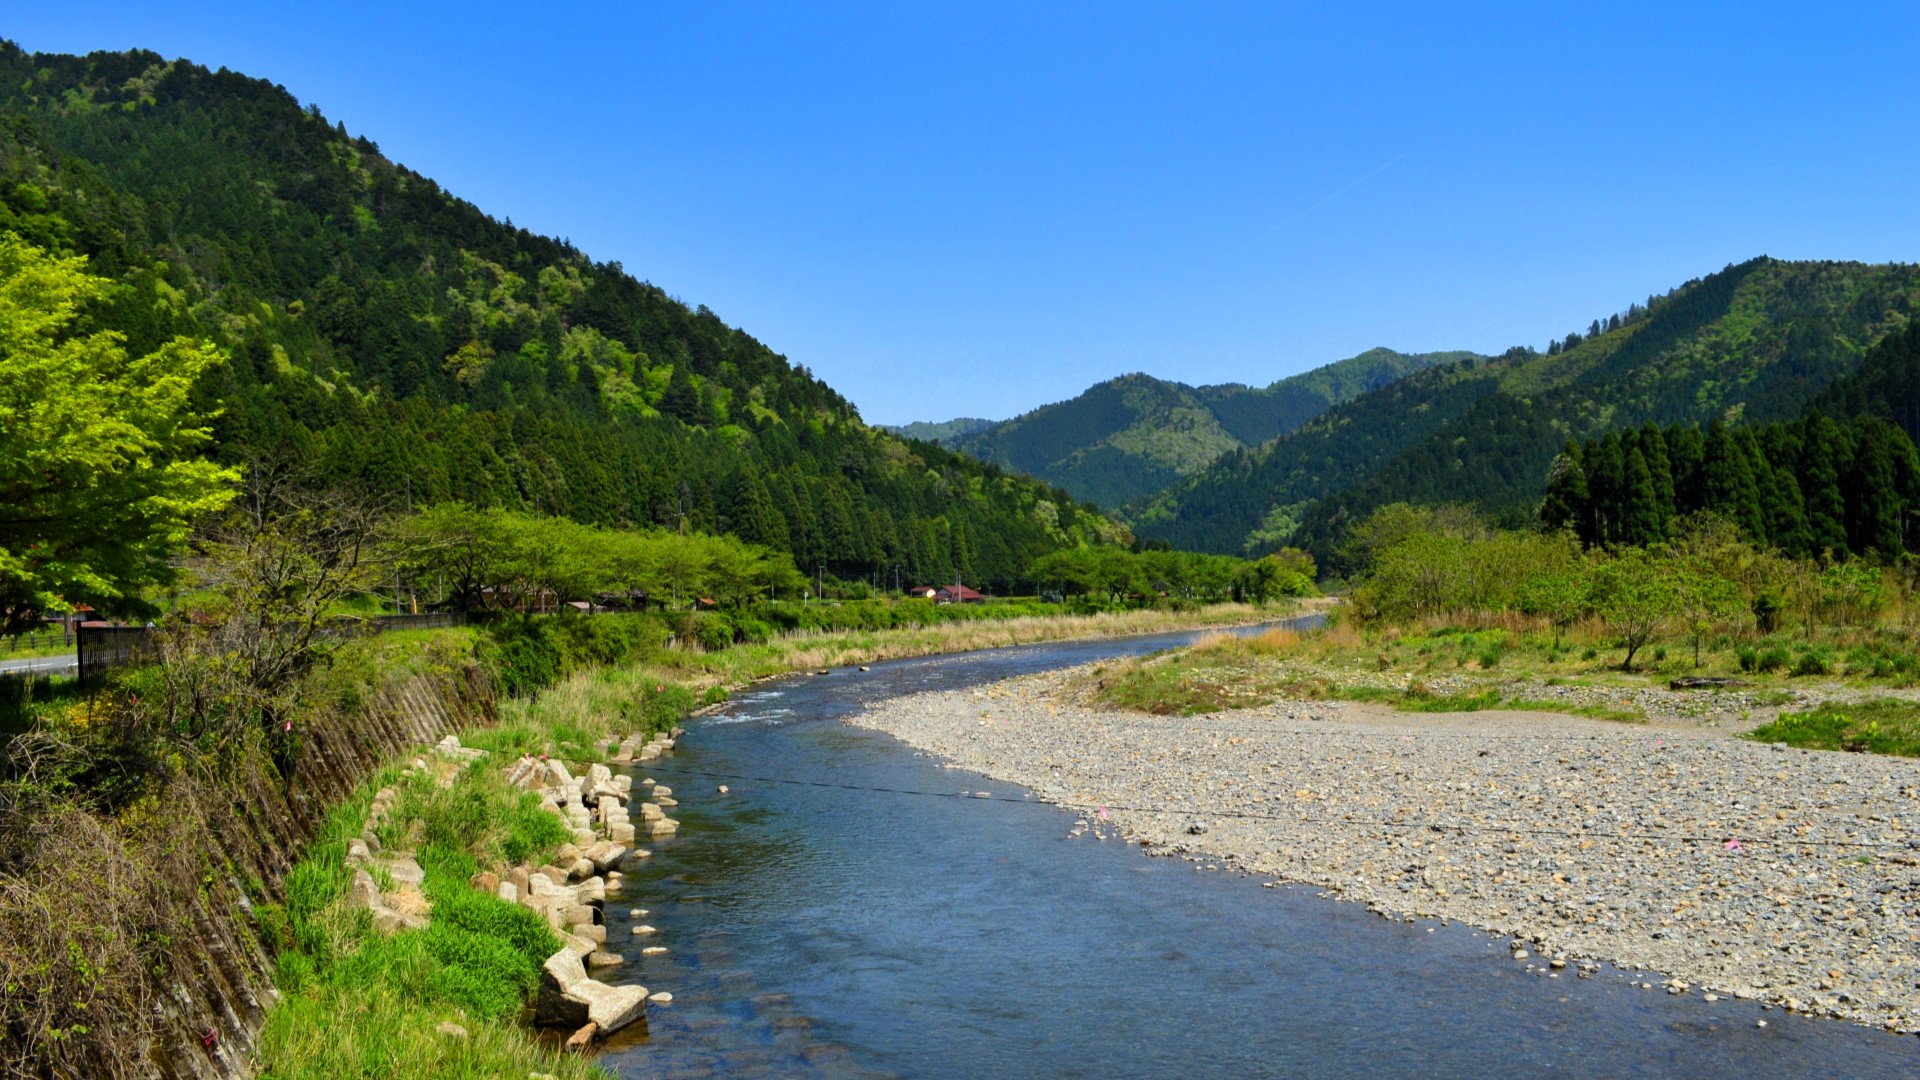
(975,209)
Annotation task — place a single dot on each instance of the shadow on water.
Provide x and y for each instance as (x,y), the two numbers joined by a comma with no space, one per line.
(832,926)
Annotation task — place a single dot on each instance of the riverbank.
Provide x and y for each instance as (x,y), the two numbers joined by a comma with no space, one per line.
(1731,867)
(358,992)
(742,664)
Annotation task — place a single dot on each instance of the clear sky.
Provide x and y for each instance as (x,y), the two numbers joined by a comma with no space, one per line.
(973,209)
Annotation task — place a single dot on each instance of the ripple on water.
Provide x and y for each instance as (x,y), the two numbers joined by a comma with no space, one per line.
(827,931)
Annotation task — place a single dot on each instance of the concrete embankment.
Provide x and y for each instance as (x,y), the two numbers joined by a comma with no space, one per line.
(158,905)
(1731,867)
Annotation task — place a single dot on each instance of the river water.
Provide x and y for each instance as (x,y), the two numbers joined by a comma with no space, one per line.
(839,913)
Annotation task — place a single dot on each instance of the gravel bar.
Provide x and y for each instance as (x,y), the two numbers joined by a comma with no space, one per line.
(1734,868)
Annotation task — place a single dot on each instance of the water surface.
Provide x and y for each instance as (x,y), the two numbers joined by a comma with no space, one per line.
(824,922)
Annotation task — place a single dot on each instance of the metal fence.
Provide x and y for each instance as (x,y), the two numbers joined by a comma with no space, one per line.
(102,646)
(33,642)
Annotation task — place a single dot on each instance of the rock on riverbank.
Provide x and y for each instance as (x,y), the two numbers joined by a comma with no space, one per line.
(1740,868)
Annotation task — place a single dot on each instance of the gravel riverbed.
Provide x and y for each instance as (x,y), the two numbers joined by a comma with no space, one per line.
(1730,867)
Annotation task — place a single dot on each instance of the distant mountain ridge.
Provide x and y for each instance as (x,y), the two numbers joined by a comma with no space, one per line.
(927,431)
(1129,437)
(1757,341)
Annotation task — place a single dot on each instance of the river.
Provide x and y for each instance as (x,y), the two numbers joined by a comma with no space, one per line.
(844,912)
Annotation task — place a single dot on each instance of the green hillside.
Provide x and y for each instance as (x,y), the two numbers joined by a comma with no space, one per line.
(387,336)
(927,431)
(1253,498)
(1755,342)
(1132,436)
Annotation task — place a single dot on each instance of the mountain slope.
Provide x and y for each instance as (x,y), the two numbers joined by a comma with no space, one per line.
(1253,498)
(1756,341)
(387,336)
(944,431)
(1134,435)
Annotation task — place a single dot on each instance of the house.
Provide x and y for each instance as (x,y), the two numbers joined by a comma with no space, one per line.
(946,594)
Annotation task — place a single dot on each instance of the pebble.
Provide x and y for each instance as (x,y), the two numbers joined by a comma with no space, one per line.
(1583,840)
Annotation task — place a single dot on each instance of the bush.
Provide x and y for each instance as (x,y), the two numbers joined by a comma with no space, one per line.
(1775,658)
(1812,662)
(1749,658)
(522,655)
(658,709)
(713,631)
(753,631)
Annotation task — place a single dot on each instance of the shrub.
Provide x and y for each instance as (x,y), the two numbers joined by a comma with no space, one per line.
(713,631)
(1812,662)
(1749,658)
(521,652)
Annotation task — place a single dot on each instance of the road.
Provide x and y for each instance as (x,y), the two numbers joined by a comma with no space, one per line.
(42,665)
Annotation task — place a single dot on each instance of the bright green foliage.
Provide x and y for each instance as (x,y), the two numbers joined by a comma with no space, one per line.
(1422,564)
(495,558)
(1636,594)
(99,473)
(1887,726)
(389,338)
(1561,597)
(1117,574)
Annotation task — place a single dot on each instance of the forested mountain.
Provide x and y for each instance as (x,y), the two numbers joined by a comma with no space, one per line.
(1132,436)
(1804,487)
(389,336)
(1886,384)
(927,431)
(1252,499)
(1756,342)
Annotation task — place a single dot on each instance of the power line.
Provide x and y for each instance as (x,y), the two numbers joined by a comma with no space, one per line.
(1433,826)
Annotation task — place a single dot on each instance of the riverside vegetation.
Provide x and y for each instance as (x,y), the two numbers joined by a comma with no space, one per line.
(1680,758)
(255,693)
(1453,615)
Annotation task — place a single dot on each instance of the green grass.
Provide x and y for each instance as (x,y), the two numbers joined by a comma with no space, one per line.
(1596,712)
(1886,726)
(376,1030)
(363,1004)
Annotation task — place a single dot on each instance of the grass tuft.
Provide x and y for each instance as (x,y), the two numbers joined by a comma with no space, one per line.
(1886,726)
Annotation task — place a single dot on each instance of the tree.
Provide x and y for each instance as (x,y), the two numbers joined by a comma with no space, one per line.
(1642,521)
(1634,593)
(280,565)
(1561,598)
(1824,450)
(1703,597)
(1729,483)
(1565,506)
(100,481)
